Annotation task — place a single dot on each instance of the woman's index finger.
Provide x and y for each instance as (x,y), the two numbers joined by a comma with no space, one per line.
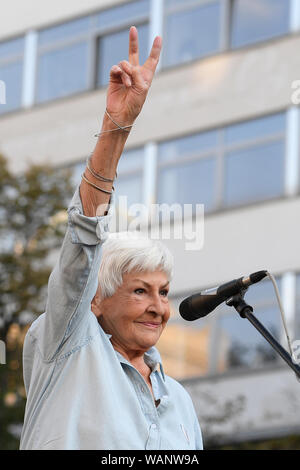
(133,53)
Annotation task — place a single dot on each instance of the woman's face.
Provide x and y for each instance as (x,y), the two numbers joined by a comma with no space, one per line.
(137,313)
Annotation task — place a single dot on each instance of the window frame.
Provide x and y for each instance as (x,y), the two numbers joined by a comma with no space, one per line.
(139,172)
(220,152)
(156,17)
(256,42)
(59,45)
(190,5)
(92,37)
(16,58)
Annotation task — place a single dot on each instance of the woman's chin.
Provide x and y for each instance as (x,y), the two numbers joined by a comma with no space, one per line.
(148,341)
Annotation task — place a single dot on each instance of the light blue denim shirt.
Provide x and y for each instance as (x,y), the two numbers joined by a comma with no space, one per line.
(81,393)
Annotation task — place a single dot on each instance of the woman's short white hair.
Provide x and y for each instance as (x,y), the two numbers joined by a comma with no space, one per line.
(128,252)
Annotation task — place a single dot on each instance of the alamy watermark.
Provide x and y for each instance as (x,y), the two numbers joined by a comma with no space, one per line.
(158,221)
(2,92)
(2,352)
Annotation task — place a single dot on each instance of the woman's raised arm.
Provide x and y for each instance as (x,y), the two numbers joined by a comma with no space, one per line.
(127,90)
(73,281)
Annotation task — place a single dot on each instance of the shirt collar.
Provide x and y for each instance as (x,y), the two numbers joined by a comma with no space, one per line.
(152,359)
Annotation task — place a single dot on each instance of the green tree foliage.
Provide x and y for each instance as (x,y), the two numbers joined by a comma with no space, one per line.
(32,225)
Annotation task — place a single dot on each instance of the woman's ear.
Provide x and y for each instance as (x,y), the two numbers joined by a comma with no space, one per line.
(95,305)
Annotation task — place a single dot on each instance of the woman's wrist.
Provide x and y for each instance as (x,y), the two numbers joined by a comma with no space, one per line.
(103,161)
(109,147)
(113,120)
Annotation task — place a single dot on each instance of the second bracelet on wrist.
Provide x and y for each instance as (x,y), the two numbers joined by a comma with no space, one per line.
(119,127)
(97,175)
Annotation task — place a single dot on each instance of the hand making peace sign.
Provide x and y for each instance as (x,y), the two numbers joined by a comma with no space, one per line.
(129,81)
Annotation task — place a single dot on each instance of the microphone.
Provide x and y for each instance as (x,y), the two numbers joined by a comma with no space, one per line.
(201,304)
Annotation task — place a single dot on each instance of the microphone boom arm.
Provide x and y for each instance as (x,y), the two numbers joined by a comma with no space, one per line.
(246,311)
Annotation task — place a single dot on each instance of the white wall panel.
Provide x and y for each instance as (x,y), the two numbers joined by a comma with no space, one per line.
(19,16)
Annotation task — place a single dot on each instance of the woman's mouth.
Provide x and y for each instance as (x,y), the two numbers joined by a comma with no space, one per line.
(149,324)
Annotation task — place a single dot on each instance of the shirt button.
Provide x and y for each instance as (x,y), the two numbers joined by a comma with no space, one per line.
(153,426)
(142,389)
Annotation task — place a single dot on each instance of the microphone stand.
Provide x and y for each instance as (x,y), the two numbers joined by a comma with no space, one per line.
(245,311)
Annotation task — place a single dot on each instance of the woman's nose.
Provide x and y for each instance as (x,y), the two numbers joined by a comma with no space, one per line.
(157,305)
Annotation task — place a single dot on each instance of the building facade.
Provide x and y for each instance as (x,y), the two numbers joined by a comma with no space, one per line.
(220,128)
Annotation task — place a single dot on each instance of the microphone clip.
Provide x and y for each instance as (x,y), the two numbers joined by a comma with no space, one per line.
(237,301)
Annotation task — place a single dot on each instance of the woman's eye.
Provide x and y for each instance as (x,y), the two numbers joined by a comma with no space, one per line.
(139,291)
(164,293)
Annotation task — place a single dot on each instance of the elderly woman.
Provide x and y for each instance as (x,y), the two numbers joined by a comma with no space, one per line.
(94,379)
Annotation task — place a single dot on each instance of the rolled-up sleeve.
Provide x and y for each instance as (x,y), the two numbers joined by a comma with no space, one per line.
(74,279)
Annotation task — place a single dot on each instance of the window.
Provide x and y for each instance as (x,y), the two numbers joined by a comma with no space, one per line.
(199,28)
(240,164)
(254,160)
(186,170)
(77,55)
(258,20)
(130,177)
(123,14)
(62,67)
(67,58)
(238,343)
(11,73)
(112,28)
(184,346)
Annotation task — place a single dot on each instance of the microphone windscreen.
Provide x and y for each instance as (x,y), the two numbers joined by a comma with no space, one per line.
(198,306)
(186,310)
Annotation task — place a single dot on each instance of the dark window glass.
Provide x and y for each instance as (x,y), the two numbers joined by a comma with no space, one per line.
(254,160)
(11,75)
(131,187)
(192,179)
(192,33)
(254,174)
(194,144)
(258,20)
(130,177)
(123,13)
(255,129)
(64,31)
(9,49)
(62,72)
(171,3)
(190,183)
